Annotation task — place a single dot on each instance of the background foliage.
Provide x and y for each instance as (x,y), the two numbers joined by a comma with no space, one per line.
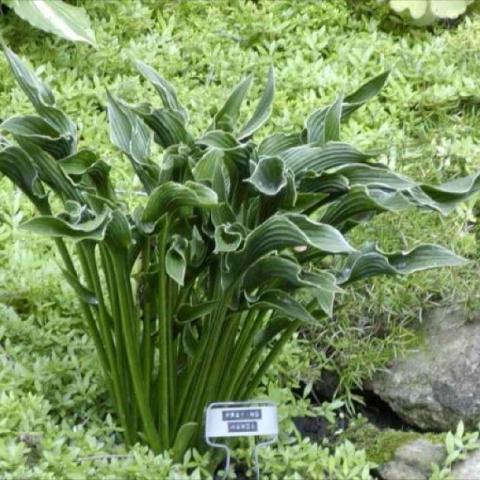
(428,130)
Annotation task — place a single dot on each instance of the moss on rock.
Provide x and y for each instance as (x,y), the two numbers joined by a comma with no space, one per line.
(380,445)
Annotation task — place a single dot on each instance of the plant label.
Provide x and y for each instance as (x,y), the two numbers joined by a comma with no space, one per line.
(241,419)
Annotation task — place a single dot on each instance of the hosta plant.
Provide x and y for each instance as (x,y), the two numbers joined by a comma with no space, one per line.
(55,16)
(426,12)
(190,294)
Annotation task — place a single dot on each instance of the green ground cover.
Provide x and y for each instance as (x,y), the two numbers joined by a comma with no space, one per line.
(53,420)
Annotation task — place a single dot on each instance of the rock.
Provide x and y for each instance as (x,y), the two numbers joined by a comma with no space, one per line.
(413,461)
(468,469)
(437,385)
(400,471)
(420,455)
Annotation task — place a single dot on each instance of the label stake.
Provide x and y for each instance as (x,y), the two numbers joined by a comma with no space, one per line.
(241,419)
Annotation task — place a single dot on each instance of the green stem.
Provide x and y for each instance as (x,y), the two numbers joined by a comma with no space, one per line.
(163,384)
(127,314)
(250,328)
(265,365)
(87,258)
(146,301)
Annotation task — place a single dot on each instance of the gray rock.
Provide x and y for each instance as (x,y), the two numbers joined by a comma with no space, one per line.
(420,454)
(468,469)
(413,461)
(437,385)
(400,471)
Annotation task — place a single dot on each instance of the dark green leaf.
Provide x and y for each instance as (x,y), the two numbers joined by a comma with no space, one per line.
(167,125)
(189,313)
(263,110)
(40,96)
(318,159)
(287,274)
(56,227)
(169,196)
(183,439)
(360,203)
(226,117)
(176,261)
(127,131)
(227,238)
(281,232)
(41,133)
(373,262)
(331,130)
(278,143)
(118,233)
(17,166)
(164,89)
(285,304)
(269,176)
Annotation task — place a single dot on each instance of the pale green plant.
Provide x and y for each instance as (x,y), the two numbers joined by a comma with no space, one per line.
(458,445)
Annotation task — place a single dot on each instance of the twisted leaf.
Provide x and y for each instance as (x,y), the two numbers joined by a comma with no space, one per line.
(269,176)
(40,96)
(170,196)
(165,89)
(18,167)
(373,262)
(41,133)
(56,227)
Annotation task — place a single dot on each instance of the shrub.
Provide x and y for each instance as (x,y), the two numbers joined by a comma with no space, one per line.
(190,294)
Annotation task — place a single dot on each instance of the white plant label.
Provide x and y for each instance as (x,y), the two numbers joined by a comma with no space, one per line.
(241,420)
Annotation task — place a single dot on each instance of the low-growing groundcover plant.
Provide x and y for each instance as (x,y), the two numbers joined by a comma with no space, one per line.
(190,294)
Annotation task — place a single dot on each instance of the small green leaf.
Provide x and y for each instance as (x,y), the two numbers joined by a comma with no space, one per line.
(176,261)
(315,124)
(227,238)
(183,439)
(365,93)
